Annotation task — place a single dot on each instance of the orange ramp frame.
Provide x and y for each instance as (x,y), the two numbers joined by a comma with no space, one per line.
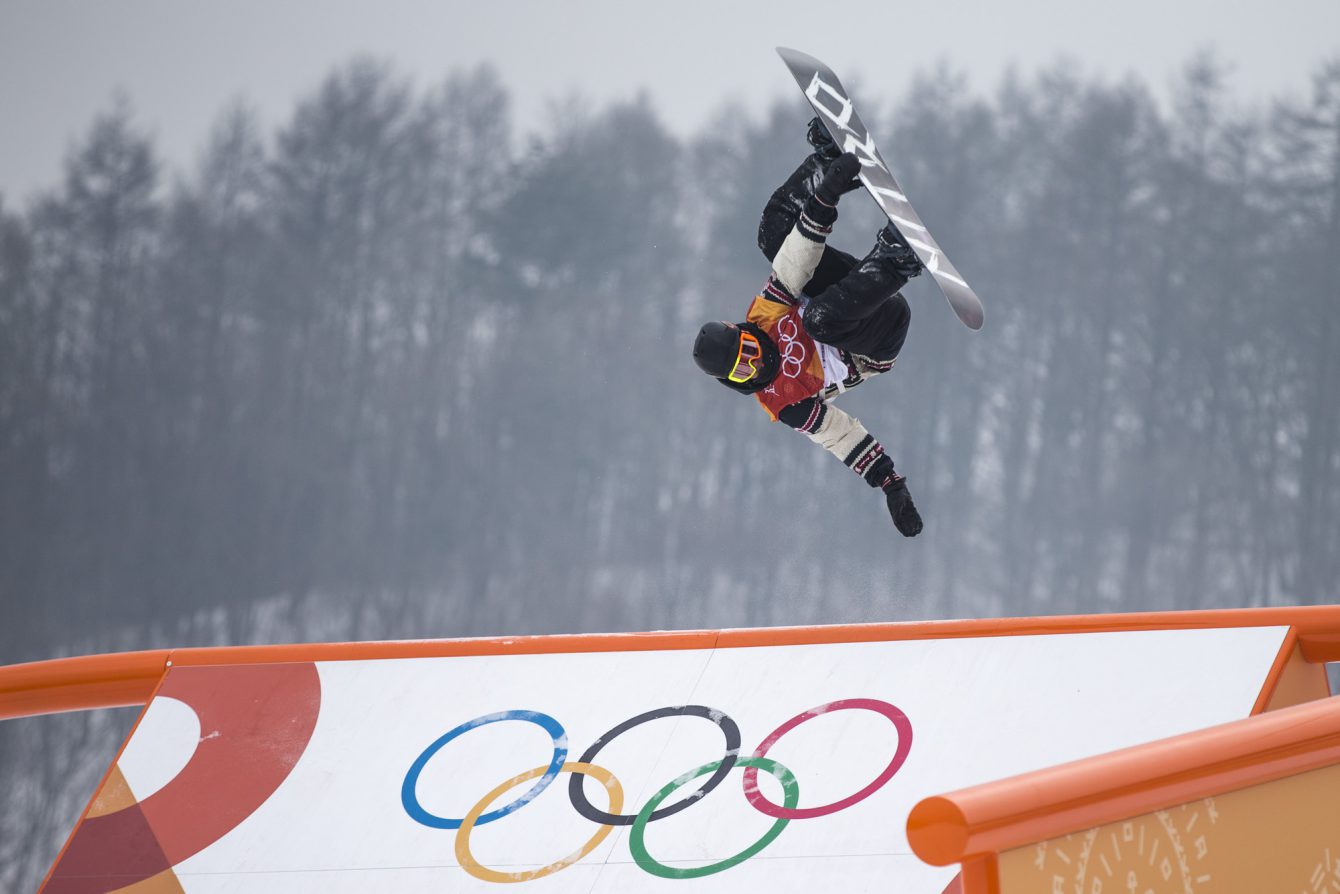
(990,829)
(129,678)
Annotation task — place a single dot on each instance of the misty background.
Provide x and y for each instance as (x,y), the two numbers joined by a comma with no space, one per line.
(411,359)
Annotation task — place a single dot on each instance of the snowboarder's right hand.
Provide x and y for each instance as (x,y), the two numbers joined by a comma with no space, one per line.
(904,514)
(840,178)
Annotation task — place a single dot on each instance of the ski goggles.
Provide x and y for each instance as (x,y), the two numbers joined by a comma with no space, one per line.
(750,351)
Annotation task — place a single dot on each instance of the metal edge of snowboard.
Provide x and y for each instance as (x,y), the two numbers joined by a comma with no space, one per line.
(810,74)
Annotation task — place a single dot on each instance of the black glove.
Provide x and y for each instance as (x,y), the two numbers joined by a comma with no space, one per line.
(905,516)
(841,177)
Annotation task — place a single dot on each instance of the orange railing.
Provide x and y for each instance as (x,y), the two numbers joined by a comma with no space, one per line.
(116,680)
(974,825)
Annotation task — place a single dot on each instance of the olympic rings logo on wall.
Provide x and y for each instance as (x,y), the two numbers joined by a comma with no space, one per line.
(651,811)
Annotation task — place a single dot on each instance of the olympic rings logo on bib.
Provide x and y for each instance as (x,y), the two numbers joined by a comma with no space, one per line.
(793,350)
(483,812)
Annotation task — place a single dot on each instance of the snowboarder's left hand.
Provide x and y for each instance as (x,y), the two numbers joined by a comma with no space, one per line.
(841,177)
(901,509)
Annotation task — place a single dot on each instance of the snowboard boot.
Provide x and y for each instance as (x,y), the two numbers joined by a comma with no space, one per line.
(892,250)
(824,147)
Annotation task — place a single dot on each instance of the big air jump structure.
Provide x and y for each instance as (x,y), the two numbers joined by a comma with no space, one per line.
(1141,754)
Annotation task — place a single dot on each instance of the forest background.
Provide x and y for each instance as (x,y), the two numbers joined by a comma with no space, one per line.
(404,367)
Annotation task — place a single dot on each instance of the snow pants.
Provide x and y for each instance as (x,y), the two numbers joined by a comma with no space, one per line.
(853,305)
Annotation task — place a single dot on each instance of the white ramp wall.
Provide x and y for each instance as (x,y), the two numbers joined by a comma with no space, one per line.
(352,776)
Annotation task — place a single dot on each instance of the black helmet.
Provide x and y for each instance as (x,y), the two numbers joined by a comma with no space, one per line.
(739,356)
(717,348)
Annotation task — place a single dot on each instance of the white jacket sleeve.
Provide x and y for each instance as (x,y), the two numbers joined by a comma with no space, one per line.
(842,435)
(800,253)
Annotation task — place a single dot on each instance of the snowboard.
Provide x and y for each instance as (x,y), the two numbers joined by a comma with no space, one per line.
(834,107)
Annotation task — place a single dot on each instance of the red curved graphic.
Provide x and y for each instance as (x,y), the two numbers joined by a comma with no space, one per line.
(255,722)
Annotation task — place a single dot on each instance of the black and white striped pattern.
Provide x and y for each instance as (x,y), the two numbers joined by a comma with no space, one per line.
(865,452)
(811,229)
(871,365)
(805,416)
(775,291)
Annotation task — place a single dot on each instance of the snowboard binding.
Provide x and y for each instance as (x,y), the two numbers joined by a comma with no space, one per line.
(824,146)
(892,249)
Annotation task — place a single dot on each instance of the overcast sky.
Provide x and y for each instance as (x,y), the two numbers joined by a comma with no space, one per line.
(180,61)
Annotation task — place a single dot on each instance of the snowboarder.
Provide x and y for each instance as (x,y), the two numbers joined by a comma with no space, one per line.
(824,322)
